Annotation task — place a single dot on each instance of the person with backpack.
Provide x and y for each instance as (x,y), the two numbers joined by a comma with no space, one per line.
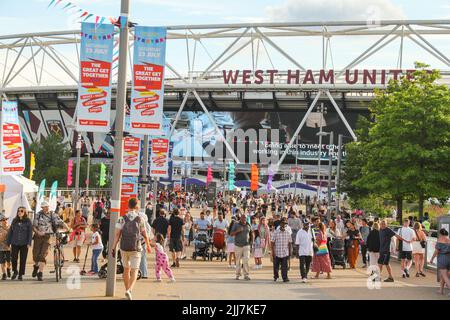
(45,223)
(129,229)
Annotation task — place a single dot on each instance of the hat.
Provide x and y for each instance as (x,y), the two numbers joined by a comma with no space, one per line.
(44,204)
(2,217)
(306,221)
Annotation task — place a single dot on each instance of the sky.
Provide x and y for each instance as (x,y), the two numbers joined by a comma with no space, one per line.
(26,16)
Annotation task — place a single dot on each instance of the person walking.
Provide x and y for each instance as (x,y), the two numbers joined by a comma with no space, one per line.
(321,259)
(175,233)
(78,225)
(418,249)
(160,224)
(129,229)
(386,235)
(304,241)
(407,233)
(243,236)
(45,223)
(364,231)
(354,237)
(5,252)
(162,260)
(373,244)
(281,251)
(19,238)
(442,252)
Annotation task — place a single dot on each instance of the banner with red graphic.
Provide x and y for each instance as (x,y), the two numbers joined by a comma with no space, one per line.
(131,156)
(12,160)
(159,165)
(128,190)
(94,90)
(147,93)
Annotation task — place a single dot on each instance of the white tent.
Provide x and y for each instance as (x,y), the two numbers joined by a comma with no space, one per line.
(15,194)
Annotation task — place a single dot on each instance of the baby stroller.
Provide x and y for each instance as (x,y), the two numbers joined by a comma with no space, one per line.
(103,272)
(201,246)
(219,244)
(338,253)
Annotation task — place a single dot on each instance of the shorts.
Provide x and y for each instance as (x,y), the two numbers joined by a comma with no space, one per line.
(78,240)
(230,247)
(384,258)
(406,255)
(131,259)
(175,245)
(41,245)
(5,256)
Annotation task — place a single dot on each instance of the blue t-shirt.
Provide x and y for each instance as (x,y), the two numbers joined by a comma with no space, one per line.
(202,224)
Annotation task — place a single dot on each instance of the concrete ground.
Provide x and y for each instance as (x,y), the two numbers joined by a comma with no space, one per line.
(201,280)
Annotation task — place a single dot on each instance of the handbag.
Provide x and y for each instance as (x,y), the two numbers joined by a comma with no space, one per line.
(322,249)
(423,243)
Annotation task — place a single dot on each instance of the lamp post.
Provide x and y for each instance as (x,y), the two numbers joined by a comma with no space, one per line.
(118,146)
(330,168)
(322,110)
(87,174)
(77,175)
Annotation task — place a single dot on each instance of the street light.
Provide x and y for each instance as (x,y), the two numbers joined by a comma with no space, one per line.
(322,111)
(87,175)
(77,175)
(330,167)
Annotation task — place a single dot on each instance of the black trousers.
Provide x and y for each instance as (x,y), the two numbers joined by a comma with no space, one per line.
(105,239)
(364,253)
(15,251)
(284,267)
(305,262)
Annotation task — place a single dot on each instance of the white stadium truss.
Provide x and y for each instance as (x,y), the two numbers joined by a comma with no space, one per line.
(44,62)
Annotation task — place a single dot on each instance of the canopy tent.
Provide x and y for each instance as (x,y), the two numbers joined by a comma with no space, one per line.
(15,194)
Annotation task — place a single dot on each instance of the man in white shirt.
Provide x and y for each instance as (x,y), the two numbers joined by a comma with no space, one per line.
(340,224)
(408,234)
(305,249)
(220,223)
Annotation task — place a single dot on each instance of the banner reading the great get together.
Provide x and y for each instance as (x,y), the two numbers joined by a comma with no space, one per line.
(147,93)
(12,160)
(131,156)
(159,165)
(94,90)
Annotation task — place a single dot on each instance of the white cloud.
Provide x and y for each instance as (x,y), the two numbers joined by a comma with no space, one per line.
(326,10)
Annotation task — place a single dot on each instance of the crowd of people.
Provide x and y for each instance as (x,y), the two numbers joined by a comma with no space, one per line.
(282,227)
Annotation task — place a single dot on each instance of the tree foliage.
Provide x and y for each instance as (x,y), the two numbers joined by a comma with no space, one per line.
(407,151)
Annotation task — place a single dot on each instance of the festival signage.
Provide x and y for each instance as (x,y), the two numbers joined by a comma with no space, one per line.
(94,90)
(147,93)
(159,165)
(12,160)
(128,190)
(131,156)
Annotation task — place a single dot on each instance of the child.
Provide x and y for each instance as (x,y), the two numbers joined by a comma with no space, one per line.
(162,260)
(230,246)
(97,248)
(257,250)
(5,254)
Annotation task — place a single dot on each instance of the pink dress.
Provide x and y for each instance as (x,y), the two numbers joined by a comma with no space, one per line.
(321,263)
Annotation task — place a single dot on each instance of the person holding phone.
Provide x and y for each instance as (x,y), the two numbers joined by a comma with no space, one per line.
(243,236)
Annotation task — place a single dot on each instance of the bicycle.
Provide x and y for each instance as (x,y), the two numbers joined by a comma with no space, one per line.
(58,253)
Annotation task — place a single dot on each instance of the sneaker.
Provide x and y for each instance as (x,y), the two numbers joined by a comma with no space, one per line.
(173,265)
(20,278)
(177,263)
(389,280)
(247,278)
(128,295)
(275,279)
(237,277)
(35,271)
(404,276)
(407,273)
(234,266)
(158,280)
(4,276)
(286,280)
(8,272)
(39,276)
(14,276)
(91,273)
(304,280)
(172,280)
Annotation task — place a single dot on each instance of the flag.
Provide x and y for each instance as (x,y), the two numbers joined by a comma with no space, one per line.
(53,195)
(32,165)
(41,195)
(69,173)
(102,178)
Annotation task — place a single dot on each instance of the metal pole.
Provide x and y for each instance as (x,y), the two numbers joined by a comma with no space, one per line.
(87,174)
(330,168)
(155,191)
(118,147)
(320,154)
(145,174)
(338,173)
(296,163)
(77,176)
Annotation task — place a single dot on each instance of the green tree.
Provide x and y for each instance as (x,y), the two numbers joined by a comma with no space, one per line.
(51,159)
(408,148)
